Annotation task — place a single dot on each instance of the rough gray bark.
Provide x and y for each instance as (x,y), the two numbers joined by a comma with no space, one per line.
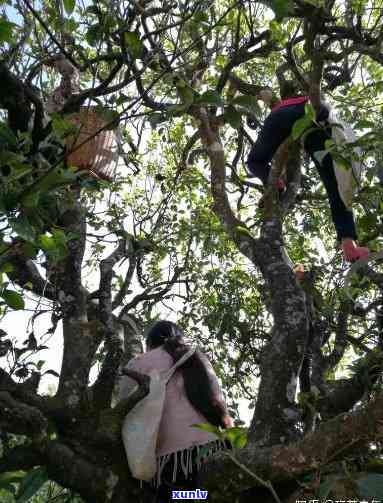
(78,353)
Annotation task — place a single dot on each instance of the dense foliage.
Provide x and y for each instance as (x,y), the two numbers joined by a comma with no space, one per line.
(178,233)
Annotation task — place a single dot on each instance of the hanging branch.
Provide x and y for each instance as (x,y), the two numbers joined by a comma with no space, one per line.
(50,34)
(316,55)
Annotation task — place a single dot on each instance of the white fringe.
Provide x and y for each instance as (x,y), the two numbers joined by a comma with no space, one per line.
(161,462)
(198,460)
(186,460)
(175,467)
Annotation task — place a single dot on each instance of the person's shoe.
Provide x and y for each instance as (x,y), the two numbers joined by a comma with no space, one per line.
(280,185)
(352,253)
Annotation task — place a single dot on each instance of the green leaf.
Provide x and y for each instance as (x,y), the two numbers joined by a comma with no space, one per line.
(7,268)
(6,134)
(69,6)
(23,228)
(371,486)
(92,9)
(329,144)
(233,117)
(208,427)
(280,8)
(6,30)
(9,158)
(249,103)
(63,127)
(134,44)
(40,364)
(14,164)
(237,437)
(60,237)
(362,124)
(93,34)
(299,127)
(29,250)
(13,299)
(8,479)
(316,3)
(70,25)
(55,178)
(47,243)
(31,200)
(156,119)
(11,477)
(31,483)
(309,112)
(3,246)
(187,95)
(240,442)
(243,230)
(110,116)
(55,245)
(209,98)
(122,98)
(201,16)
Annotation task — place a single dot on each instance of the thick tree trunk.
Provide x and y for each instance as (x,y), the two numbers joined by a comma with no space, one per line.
(275,414)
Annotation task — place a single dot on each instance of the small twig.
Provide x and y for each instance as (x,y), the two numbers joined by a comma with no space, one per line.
(265,483)
(339,451)
(53,38)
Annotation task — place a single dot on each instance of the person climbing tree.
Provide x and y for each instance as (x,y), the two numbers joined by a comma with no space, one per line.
(276,129)
(193,395)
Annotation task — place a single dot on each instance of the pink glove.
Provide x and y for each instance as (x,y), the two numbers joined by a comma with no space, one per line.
(228,422)
(352,252)
(280,184)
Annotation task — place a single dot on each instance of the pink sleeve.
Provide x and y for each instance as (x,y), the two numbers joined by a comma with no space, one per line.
(126,384)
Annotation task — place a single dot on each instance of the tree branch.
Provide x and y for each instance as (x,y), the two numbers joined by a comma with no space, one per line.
(19,418)
(280,463)
(20,458)
(242,54)
(25,271)
(103,387)
(340,336)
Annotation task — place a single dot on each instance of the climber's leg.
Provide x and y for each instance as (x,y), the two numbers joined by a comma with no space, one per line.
(276,129)
(342,217)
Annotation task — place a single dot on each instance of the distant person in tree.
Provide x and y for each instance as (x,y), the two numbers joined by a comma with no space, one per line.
(276,129)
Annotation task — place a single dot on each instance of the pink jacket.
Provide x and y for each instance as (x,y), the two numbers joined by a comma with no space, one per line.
(175,432)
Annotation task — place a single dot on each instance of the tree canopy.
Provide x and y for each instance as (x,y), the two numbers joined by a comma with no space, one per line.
(177,231)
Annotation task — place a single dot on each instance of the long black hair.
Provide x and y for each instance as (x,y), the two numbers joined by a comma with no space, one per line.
(198,387)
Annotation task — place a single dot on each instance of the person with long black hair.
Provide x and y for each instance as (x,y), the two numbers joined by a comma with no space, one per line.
(193,395)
